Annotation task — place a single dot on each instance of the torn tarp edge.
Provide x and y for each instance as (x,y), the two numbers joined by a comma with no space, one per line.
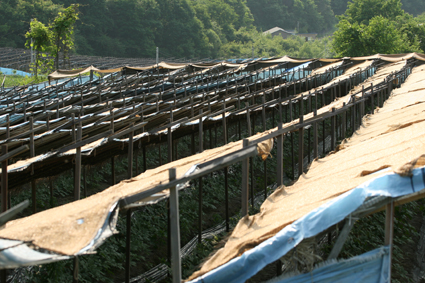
(251,262)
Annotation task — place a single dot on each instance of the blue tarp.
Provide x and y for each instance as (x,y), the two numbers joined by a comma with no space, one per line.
(371,267)
(9,72)
(244,267)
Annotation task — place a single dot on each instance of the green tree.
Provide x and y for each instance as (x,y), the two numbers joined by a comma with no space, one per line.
(339,6)
(376,26)
(63,30)
(16,15)
(181,33)
(267,46)
(136,39)
(308,15)
(39,37)
(361,11)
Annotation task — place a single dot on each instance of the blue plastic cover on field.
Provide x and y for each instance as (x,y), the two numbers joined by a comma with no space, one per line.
(370,267)
(10,72)
(248,264)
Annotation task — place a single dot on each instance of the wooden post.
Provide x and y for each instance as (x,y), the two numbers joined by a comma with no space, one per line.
(315,137)
(389,230)
(48,122)
(170,140)
(130,155)
(200,210)
(51,191)
(301,148)
(279,157)
(73,127)
(75,270)
(144,158)
(333,129)
(226,187)
(201,139)
(77,176)
(323,136)
(245,182)
(372,102)
(113,170)
(136,161)
(7,126)
(128,246)
(85,181)
(32,154)
(362,106)
(175,230)
(263,115)
(4,180)
(226,170)
(224,126)
(344,121)
(352,117)
(32,148)
(248,120)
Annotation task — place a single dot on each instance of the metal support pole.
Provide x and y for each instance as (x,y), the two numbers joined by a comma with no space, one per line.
(175,230)
(245,182)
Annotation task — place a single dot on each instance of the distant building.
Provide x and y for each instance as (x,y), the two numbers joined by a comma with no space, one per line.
(277,31)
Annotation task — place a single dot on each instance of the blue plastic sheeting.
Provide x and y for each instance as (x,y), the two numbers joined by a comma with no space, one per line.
(9,72)
(247,265)
(371,267)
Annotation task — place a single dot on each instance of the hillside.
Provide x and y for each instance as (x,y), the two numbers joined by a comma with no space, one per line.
(181,28)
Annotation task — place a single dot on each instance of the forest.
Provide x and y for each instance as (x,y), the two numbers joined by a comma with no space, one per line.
(200,28)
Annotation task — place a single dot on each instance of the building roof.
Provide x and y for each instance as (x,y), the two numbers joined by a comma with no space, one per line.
(276,29)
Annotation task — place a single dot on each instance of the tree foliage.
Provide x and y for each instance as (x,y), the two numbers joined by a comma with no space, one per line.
(377,26)
(197,28)
(256,44)
(16,17)
(39,37)
(63,29)
(304,15)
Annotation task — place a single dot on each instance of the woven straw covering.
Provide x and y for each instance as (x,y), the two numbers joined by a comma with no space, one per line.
(59,229)
(390,138)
